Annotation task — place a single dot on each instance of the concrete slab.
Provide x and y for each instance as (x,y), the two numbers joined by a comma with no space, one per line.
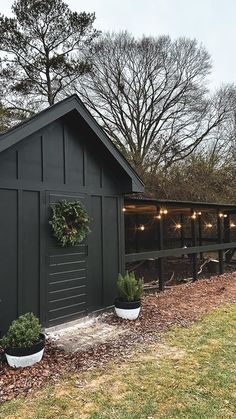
(81,336)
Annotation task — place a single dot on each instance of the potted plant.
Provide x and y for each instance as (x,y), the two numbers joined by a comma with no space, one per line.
(24,343)
(128,304)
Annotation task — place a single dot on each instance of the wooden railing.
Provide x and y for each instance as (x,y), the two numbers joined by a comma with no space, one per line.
(160,254)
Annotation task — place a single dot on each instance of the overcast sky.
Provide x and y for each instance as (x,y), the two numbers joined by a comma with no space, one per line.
(211,22)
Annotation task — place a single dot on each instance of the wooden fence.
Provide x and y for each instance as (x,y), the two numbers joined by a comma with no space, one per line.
(193,251)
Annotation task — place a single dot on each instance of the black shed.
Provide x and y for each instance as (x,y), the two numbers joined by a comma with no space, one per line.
(60,154)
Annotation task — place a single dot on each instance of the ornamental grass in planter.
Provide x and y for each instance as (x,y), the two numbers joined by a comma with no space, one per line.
(130,289)
(24,343)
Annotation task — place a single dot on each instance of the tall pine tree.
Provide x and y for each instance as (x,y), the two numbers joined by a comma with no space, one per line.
(42,52)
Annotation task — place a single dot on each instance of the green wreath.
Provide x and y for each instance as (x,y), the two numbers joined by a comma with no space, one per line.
(69,222)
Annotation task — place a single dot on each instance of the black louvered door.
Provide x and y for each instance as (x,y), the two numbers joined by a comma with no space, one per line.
(66,273)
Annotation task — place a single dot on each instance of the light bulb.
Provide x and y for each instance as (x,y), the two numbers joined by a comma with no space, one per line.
(178,226)
(163,211)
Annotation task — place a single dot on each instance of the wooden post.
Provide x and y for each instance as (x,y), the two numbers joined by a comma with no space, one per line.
(227,237)
(160,260)
(182,231)
(194,242)
(200,233)
(136,234)
(220,240)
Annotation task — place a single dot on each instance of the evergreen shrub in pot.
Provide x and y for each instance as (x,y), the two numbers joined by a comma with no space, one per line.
(24,343)
(130,289)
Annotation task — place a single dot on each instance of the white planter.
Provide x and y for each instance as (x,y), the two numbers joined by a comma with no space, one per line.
(128,314)
(24,361)
(128,310)
(26,356)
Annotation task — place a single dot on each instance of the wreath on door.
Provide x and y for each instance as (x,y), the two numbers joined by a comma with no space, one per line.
(69,222)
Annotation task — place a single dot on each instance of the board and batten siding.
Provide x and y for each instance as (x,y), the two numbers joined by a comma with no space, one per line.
(65,161)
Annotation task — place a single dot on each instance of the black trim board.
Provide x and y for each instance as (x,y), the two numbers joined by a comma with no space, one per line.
(231,208)
(60,109)
(156,254)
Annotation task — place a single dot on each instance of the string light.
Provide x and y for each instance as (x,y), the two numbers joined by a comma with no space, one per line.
(194,214)
(163,211)
(178,226)
(222,215)
(123,209)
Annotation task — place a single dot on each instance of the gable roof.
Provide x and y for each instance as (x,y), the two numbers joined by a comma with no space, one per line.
(60,109)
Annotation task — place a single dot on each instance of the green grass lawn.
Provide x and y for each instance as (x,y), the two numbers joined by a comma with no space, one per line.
(189,373)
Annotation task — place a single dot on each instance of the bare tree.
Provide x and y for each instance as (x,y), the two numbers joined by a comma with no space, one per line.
(197,178)
(220,151)
(150,96)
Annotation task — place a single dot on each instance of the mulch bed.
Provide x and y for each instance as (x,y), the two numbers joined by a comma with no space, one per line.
(180,304)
